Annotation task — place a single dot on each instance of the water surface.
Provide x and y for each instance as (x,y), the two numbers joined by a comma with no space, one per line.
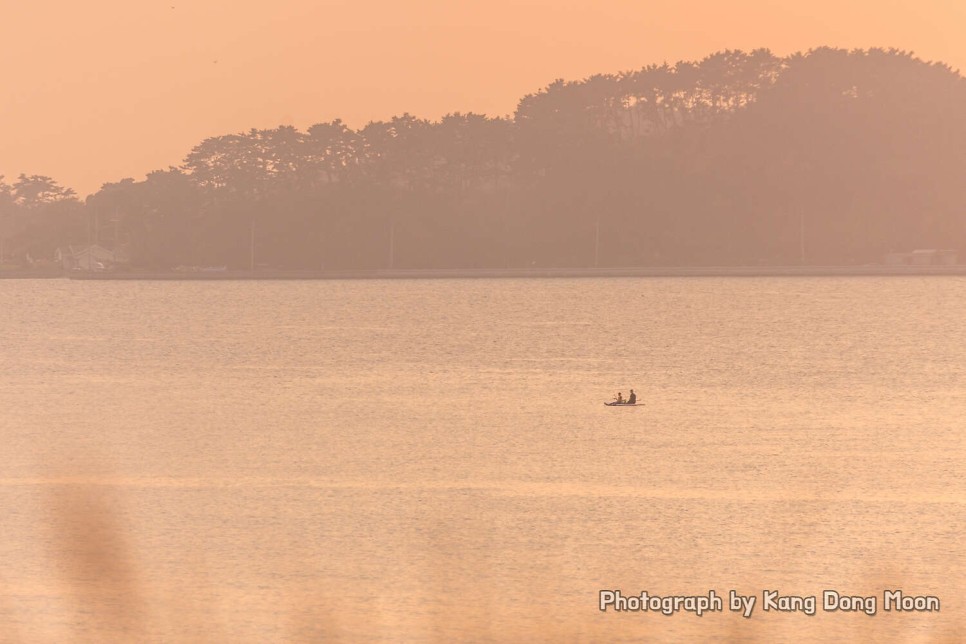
(430,460)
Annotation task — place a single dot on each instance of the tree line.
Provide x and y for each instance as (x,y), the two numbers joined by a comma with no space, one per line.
(824,157)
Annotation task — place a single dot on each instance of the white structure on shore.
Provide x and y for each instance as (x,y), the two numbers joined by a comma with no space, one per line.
(90,258)
(925,257)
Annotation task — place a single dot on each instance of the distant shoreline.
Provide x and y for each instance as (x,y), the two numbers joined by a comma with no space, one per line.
(497,273)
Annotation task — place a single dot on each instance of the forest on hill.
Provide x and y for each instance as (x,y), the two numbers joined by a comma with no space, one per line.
(829,157)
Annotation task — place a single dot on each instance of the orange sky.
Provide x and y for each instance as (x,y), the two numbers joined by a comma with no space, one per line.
(100,90)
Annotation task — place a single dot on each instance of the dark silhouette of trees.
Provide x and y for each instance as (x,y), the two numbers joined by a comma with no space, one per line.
(36,216)
(824,157)
(8,209)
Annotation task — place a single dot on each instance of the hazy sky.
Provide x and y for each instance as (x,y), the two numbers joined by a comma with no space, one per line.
(100,90)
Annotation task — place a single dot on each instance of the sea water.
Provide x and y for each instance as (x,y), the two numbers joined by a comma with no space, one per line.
(431,460)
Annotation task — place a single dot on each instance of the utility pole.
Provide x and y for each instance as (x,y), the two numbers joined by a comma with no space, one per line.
(801,233)
(90,264)
(597,245)
(392,243)
(251,256)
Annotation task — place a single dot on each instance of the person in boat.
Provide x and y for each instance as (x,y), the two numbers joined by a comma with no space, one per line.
(620,398)
(632,398)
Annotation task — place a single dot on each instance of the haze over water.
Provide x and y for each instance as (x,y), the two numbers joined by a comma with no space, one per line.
(431,461)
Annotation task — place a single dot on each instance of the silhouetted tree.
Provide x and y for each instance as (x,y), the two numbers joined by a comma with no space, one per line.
(828,156)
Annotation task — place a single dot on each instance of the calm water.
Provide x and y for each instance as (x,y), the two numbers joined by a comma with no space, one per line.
(430,460)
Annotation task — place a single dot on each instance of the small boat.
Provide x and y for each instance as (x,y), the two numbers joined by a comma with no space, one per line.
(623,404)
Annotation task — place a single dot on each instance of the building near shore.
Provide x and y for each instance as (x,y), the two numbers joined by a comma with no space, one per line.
(91,258)
(923,257)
